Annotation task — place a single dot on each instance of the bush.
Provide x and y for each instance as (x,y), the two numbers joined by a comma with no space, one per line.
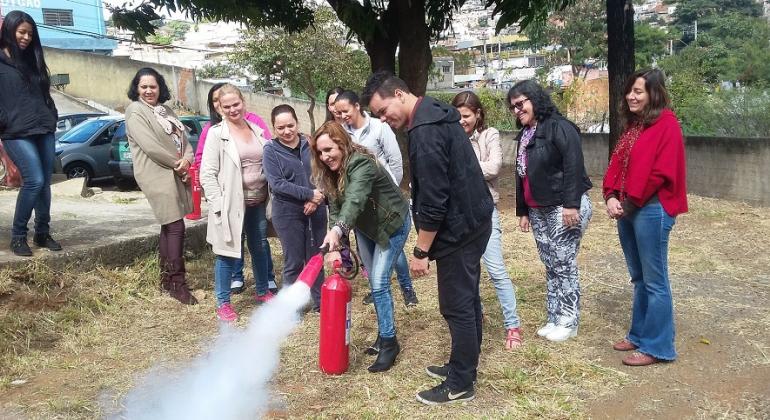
(497,114)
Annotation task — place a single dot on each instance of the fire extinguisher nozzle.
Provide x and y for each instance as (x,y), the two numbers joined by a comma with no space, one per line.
(309,274)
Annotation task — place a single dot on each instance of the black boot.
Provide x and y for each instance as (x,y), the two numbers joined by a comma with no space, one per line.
(175,282)
(389,349)
(46,241)
(374,348)
(20,247)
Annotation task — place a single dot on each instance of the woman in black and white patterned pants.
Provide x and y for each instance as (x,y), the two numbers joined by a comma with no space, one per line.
(551,197)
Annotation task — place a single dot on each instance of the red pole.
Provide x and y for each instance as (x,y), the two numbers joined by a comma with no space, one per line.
(196,193)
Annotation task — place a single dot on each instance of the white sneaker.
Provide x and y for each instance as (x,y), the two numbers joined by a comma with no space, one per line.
(545,329)
(560,333)
(236,286)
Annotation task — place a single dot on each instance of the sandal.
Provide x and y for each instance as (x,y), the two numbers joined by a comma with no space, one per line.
(513,339)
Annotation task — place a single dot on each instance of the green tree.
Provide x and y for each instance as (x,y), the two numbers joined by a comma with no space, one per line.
(218,71)
(382,26)
(575,36)
(651,43)
(310,61)
(176,29)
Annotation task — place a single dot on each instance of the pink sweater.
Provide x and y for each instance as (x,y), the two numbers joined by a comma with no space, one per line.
(250,116)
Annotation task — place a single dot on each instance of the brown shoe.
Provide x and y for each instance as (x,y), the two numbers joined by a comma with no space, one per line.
(174,282)
(639,359)
(624,345)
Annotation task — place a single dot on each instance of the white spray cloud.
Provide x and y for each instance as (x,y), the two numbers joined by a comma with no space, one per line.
(231,380)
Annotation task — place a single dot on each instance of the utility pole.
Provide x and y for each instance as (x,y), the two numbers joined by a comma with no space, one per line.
(696,31)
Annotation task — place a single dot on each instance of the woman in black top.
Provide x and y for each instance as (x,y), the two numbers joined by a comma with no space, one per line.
(27,125)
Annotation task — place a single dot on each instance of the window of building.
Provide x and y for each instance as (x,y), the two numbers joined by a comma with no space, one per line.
(536,61)
(57,17)
(446,69)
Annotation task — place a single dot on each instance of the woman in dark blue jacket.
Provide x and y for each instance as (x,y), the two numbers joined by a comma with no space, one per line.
(299,212)
(27,125)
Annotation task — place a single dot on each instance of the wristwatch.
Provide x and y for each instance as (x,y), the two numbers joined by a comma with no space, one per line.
(419,253)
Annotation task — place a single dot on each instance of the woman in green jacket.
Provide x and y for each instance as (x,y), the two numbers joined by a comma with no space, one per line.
(363,196)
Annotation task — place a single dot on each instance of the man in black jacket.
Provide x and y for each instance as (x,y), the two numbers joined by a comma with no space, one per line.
(452,211)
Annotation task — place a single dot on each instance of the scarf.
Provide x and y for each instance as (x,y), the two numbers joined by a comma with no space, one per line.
(521,157)
(622,153)
(168,123)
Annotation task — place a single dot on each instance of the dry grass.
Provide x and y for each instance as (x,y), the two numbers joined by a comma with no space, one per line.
(81,339)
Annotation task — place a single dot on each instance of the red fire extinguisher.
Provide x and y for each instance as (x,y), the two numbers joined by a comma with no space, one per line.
(334,342)
(196,193)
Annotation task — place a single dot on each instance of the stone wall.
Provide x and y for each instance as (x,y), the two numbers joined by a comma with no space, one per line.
(728,168)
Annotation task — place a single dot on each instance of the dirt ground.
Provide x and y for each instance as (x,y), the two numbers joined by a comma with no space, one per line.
(74,343)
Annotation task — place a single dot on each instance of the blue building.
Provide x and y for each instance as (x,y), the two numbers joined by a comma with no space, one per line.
(66,24)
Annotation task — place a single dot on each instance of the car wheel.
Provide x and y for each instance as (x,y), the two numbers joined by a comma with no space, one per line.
(78,170)
(125,184)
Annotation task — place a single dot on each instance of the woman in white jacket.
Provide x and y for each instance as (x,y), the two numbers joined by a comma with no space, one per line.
(236,189)
(486,144)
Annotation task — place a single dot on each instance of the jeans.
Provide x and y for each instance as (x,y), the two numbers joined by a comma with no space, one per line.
(238,267)
(644,239)
(382,261)
(402,266)
(255,228)
(558,246)
(493,260)
(34,156)
(460,304)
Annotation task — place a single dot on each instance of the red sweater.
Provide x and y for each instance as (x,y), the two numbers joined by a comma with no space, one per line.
(656,166)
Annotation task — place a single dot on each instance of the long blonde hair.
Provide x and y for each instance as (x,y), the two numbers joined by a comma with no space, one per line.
(330,182)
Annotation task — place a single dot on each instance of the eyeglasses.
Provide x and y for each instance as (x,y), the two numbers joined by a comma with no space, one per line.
(518,105)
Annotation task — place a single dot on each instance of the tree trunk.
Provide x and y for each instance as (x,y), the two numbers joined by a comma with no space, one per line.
(414,56)
(311,114)
(382,52)
(620,59)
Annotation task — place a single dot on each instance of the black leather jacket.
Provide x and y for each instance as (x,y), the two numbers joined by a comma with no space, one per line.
(555,168)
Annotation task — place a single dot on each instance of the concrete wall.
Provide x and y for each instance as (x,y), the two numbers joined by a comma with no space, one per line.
(105,80)
(728,168)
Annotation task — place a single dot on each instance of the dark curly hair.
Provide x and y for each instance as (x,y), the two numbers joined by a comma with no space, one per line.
(133,89)
(541,101)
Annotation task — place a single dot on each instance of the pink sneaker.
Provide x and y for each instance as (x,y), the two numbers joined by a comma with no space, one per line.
(226,313)
(265,298)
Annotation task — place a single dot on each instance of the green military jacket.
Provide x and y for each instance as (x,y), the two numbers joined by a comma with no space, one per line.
(370,201)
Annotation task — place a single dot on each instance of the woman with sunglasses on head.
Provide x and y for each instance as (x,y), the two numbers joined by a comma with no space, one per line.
(551,198)
(27,125)
(380,140)
(237,283)
(645,188)
(236,189)
(362,195)
(486,144)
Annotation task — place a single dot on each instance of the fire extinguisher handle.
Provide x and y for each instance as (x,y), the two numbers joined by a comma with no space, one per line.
(324,249)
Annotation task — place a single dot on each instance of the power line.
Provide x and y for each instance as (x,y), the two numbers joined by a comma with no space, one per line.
(102,36)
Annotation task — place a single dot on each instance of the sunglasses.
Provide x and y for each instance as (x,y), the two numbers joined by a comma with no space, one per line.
(518,105)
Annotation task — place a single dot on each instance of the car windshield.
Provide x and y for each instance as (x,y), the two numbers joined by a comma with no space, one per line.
(83,131)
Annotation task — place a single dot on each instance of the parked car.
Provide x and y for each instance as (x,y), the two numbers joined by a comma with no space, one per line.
(84,151)
(121,164)
(67,122)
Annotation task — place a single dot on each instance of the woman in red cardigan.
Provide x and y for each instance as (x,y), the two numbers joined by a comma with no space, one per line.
(645,189)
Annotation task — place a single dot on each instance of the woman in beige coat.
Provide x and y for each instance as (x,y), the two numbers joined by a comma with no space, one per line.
(162,157)
(236,189)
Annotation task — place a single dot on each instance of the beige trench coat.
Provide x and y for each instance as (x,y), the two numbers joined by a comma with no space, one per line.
(222,182)
(154,154)
(489,151)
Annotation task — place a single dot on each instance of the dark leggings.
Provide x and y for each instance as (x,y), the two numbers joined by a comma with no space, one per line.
(171,246)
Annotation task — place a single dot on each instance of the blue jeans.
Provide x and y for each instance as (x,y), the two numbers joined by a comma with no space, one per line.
(255,228)
(382,261)
(402,267)
(644,239)
(238,267)
(34,156)
(493,260)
